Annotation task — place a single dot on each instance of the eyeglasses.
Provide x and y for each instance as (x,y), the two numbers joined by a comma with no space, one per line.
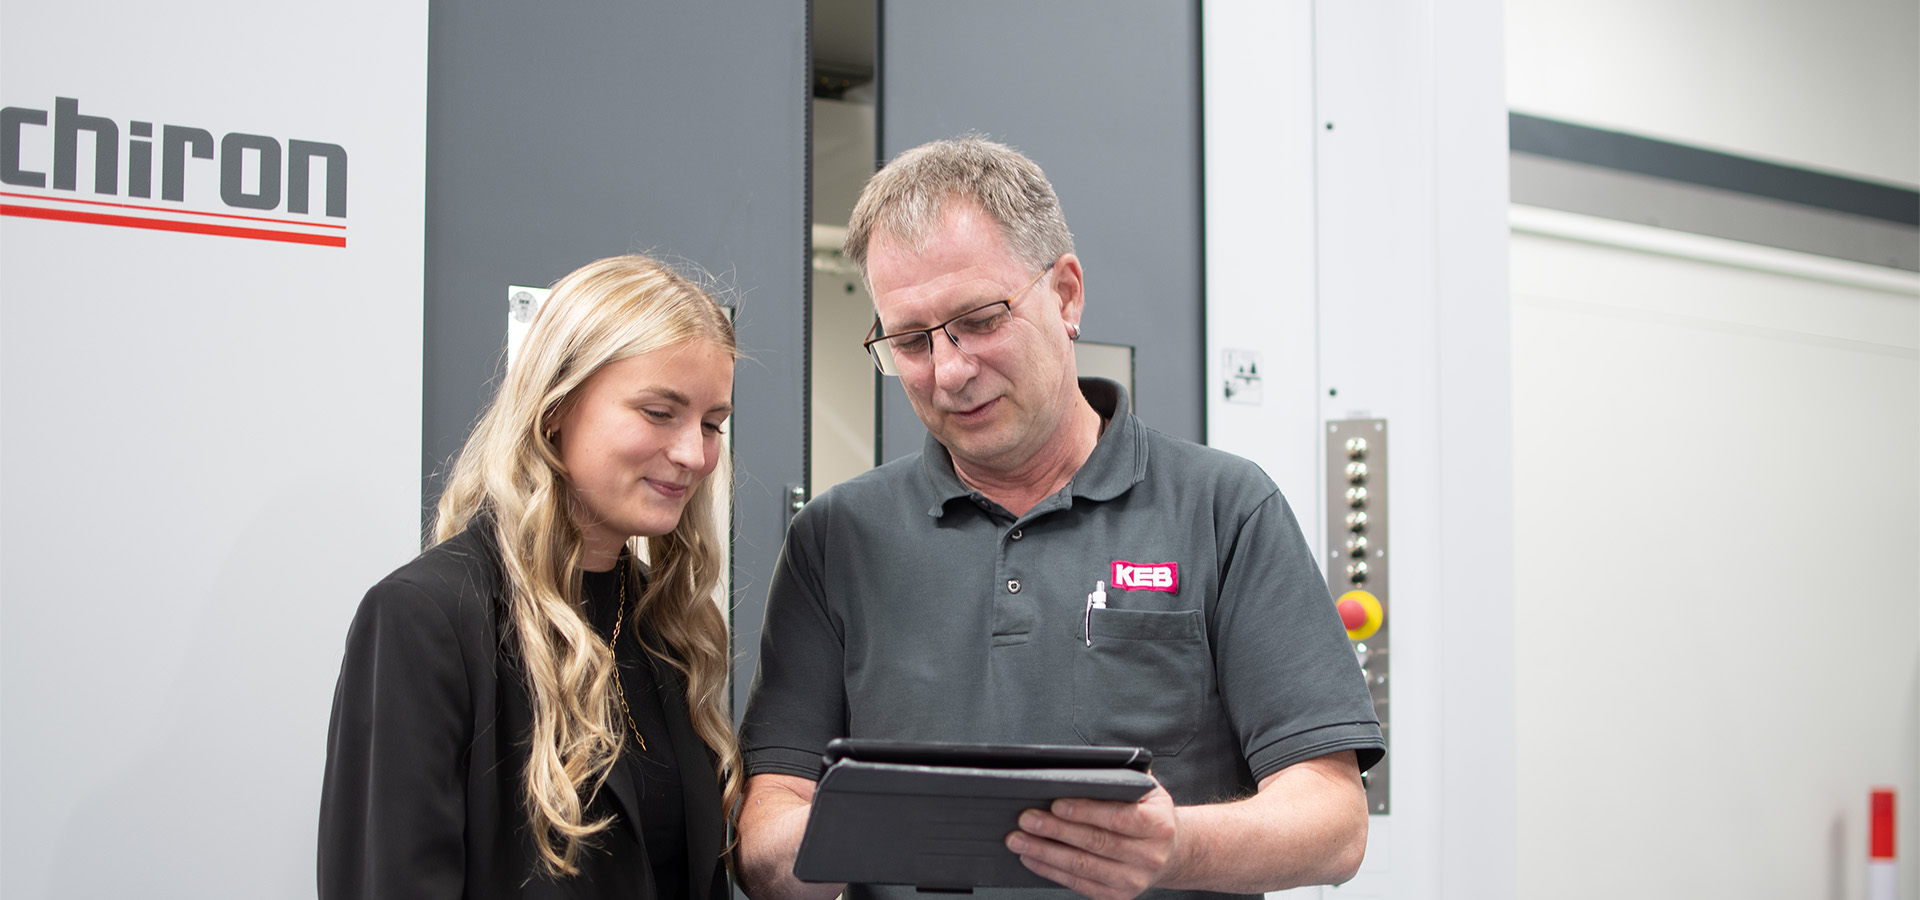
(975,331)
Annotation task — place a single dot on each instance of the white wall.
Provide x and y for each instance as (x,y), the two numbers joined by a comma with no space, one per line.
(1828,86)
(841,375)
(1717,471)
(841,382)
(210,445)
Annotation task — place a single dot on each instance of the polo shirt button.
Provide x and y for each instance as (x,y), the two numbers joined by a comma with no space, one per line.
(1013,585)
(1016,535)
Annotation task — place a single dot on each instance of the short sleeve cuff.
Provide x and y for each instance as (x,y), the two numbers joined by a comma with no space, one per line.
(1361,737)
(783,761)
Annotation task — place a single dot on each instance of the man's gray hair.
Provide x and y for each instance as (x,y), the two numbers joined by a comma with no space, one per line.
(906,200)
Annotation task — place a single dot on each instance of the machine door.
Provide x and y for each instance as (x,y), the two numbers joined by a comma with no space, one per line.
(1105,96)
(562,133)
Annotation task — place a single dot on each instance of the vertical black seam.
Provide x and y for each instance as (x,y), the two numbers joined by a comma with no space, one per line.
(806,272)
(1200,171)
(879,160)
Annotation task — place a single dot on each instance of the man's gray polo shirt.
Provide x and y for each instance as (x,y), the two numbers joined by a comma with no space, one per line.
(907,606)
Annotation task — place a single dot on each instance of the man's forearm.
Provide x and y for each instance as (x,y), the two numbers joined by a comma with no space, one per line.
(1306,826)
(773,818)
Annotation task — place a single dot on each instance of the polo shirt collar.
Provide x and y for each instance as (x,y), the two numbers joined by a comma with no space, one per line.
(1118,462)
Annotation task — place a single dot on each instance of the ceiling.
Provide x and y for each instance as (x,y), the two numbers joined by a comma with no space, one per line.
(843,39)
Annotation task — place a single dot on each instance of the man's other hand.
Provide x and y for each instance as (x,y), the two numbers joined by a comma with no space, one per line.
(1101,849)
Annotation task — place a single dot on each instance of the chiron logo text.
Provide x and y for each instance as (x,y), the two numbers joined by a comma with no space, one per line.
(257,176)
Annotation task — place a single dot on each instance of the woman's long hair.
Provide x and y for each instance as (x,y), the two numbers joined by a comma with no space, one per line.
(604,312)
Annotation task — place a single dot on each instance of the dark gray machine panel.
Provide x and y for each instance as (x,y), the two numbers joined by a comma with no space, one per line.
(561,133)
(1357,566)
(1105,96)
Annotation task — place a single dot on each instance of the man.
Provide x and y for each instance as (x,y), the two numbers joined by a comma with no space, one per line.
(948,596)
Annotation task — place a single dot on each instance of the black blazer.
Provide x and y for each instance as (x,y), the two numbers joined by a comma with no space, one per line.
(426,754)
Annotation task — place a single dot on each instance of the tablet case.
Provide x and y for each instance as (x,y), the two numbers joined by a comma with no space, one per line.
(937,816)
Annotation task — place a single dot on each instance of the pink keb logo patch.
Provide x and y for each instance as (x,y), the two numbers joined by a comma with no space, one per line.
(1133,576)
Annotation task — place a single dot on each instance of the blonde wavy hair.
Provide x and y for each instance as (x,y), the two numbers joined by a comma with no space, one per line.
(606,311)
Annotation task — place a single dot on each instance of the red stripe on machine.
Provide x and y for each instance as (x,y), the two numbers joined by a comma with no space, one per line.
(257,234)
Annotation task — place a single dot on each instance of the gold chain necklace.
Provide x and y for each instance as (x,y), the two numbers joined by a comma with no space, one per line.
(613,646)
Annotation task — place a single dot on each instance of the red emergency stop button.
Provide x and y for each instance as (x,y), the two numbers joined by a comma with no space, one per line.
(1352,614)
(1360,614)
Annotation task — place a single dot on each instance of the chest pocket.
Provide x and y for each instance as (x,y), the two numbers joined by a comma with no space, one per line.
(1143,682)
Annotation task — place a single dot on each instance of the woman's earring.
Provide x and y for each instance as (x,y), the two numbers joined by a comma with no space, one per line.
(1073,335)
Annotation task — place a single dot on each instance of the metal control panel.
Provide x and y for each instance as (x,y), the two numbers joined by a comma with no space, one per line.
(1358,565)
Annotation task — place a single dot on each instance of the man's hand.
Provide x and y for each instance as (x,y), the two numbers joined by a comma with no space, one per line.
(1101,849)
(1307,824)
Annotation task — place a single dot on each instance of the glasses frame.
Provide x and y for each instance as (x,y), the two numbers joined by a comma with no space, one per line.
(873,338)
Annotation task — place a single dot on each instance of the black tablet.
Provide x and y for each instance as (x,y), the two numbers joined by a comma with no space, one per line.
(937,815)
(988,756)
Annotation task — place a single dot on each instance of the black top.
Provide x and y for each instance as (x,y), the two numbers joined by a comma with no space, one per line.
(663,826)
(427,757)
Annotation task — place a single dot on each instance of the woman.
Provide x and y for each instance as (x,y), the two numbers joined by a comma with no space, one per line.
(526,710)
